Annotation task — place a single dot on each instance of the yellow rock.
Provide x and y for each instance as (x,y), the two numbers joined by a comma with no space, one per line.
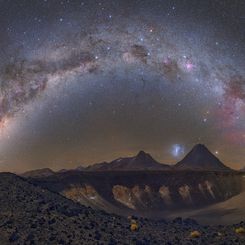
(240,230)
(134,227)
(195,234)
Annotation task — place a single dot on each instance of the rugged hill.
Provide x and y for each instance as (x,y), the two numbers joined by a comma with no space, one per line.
(200,158)
(43,172)
(144,192)
(32,215)
(142,161)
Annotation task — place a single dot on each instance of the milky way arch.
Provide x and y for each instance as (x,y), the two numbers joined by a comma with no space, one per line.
(170,68)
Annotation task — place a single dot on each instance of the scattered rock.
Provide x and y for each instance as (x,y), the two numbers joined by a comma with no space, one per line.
(60,221)
(240,230)
(195,234)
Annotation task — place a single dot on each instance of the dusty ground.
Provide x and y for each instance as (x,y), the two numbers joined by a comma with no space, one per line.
(31,215)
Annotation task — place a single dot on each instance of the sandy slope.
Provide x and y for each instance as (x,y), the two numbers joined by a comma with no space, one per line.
(227,212)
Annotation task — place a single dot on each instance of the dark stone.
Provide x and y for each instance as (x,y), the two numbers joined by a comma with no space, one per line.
(14,237)
(177,220)
(33,226)
(97,235)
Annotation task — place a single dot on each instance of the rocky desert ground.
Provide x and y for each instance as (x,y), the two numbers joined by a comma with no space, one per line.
(32,215)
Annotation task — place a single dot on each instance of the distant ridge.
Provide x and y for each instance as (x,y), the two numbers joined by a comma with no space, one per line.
(43,172)
(200,158)
(142,161)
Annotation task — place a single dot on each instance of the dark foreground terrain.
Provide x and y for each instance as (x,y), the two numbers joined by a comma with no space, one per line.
(32,215)
(150,194)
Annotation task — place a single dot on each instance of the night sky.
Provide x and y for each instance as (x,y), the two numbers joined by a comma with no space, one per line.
(89,81)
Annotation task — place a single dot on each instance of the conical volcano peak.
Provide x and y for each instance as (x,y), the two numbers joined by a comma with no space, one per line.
(202,159)
(200,149)
(142,154)
(200,146)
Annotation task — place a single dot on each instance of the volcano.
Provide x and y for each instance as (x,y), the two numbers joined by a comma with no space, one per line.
(142,161)
(200,158)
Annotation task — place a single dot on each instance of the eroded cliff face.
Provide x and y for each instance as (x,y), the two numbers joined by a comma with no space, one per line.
(147,191)
(169,196)
(81,194)
(88,196)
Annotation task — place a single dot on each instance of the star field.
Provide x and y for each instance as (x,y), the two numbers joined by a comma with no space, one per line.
(87,81)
